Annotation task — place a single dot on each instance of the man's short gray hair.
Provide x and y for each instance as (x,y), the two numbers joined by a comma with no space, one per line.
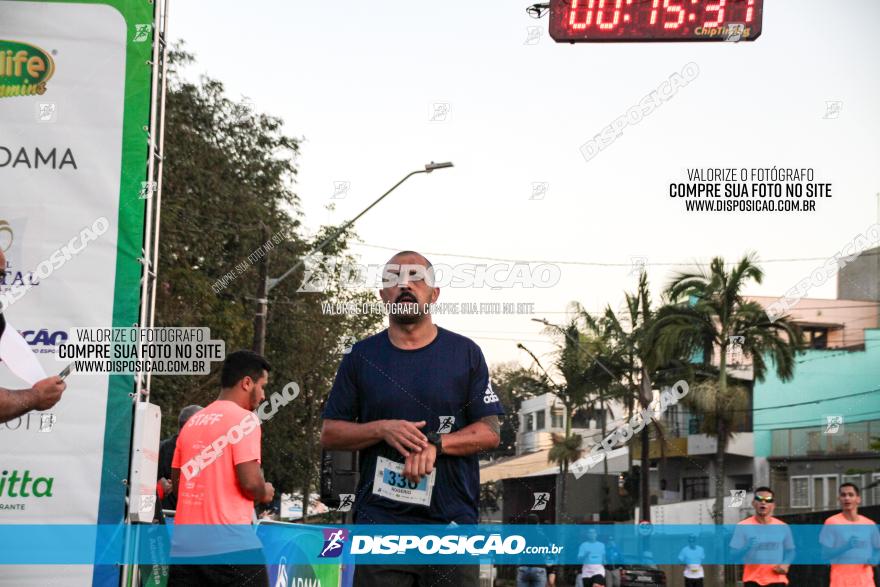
(187,413)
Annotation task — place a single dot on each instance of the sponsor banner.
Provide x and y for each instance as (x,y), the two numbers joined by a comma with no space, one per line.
(289,546)
(289,557)
(74,105)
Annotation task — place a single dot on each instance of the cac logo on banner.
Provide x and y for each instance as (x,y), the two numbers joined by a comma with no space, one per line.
(24,69)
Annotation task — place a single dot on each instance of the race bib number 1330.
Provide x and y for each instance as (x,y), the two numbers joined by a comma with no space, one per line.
(389,482)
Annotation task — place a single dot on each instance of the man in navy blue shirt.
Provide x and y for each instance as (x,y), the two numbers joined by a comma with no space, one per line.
(416,400)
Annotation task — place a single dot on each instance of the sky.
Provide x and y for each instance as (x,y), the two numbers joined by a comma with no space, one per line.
(376,90)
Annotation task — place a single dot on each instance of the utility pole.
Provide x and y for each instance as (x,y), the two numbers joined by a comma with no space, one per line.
(262,314)
(267,284)
(559,488)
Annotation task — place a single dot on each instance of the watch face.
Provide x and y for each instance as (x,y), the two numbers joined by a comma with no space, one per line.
(434,439)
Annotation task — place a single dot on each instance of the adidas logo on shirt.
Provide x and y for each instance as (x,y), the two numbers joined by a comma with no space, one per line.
(489,396)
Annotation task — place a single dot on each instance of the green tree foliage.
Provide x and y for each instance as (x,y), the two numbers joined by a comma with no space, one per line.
(512,383)
(645,362)
(230,171)
(708,310)
(572,361)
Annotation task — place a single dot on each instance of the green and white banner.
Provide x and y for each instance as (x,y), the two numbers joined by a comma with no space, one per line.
(75,85)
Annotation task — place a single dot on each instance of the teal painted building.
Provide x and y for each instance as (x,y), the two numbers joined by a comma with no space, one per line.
(815,430)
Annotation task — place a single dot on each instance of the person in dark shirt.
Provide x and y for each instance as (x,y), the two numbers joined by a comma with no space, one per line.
(416,400)
(613,561)
(166,454)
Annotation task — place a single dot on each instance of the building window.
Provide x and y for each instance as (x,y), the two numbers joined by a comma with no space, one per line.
(695,488)
(540,422)
(824,491)
(780,443)
(874,496)
(580,419)
(530,422)
(800,492)
(815,337)
(557,419)
(673,421)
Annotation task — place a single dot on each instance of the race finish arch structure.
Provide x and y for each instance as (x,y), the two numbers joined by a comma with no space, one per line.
(82,84)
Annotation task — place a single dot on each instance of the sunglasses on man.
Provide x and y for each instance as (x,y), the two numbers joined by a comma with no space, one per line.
(764,499)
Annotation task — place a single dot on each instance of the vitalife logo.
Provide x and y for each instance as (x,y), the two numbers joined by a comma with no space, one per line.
(24,69)
(14,484)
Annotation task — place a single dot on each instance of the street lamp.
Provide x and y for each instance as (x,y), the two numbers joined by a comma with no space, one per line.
(521,346)
(432,166)
(267,284)
(577,343)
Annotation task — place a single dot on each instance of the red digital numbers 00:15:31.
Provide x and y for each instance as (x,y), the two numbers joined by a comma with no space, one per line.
(573,20)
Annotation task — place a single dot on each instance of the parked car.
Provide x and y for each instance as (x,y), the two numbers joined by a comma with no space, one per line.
(635,576)
(641,575)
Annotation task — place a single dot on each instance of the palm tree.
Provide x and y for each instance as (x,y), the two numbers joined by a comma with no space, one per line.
(722,413)
(570,362)
(709,309)
(605,374)
(565,450)
(620,339)
(643,365)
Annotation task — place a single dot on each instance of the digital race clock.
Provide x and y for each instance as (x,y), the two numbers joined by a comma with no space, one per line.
(580,21)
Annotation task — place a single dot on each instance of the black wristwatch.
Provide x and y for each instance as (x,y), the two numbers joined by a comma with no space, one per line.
(437,440)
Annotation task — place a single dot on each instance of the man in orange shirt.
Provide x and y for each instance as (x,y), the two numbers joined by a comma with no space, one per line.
(850,541)
(216,476)
(765,542)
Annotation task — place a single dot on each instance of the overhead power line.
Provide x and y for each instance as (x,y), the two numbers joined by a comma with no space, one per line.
(806,420)
(818,401)
(693,262)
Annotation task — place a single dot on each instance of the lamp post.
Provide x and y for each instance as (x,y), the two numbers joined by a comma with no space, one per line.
(267,284)
(577,343)
(595,360)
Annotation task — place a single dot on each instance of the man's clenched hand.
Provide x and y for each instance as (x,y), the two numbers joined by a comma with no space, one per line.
(420,464)
(404,436)
(47,392)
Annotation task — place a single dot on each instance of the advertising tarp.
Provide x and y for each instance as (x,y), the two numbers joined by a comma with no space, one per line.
(74,112)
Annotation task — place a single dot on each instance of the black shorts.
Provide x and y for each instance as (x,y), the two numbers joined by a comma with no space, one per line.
(416,576)
(693,582)
(594,580)
(219,575)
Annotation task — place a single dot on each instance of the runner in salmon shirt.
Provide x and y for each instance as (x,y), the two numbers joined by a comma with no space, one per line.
(850,541)
(768,547)
(216,475)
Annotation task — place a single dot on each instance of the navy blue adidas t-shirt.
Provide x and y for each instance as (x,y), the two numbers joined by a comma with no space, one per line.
(447,378)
